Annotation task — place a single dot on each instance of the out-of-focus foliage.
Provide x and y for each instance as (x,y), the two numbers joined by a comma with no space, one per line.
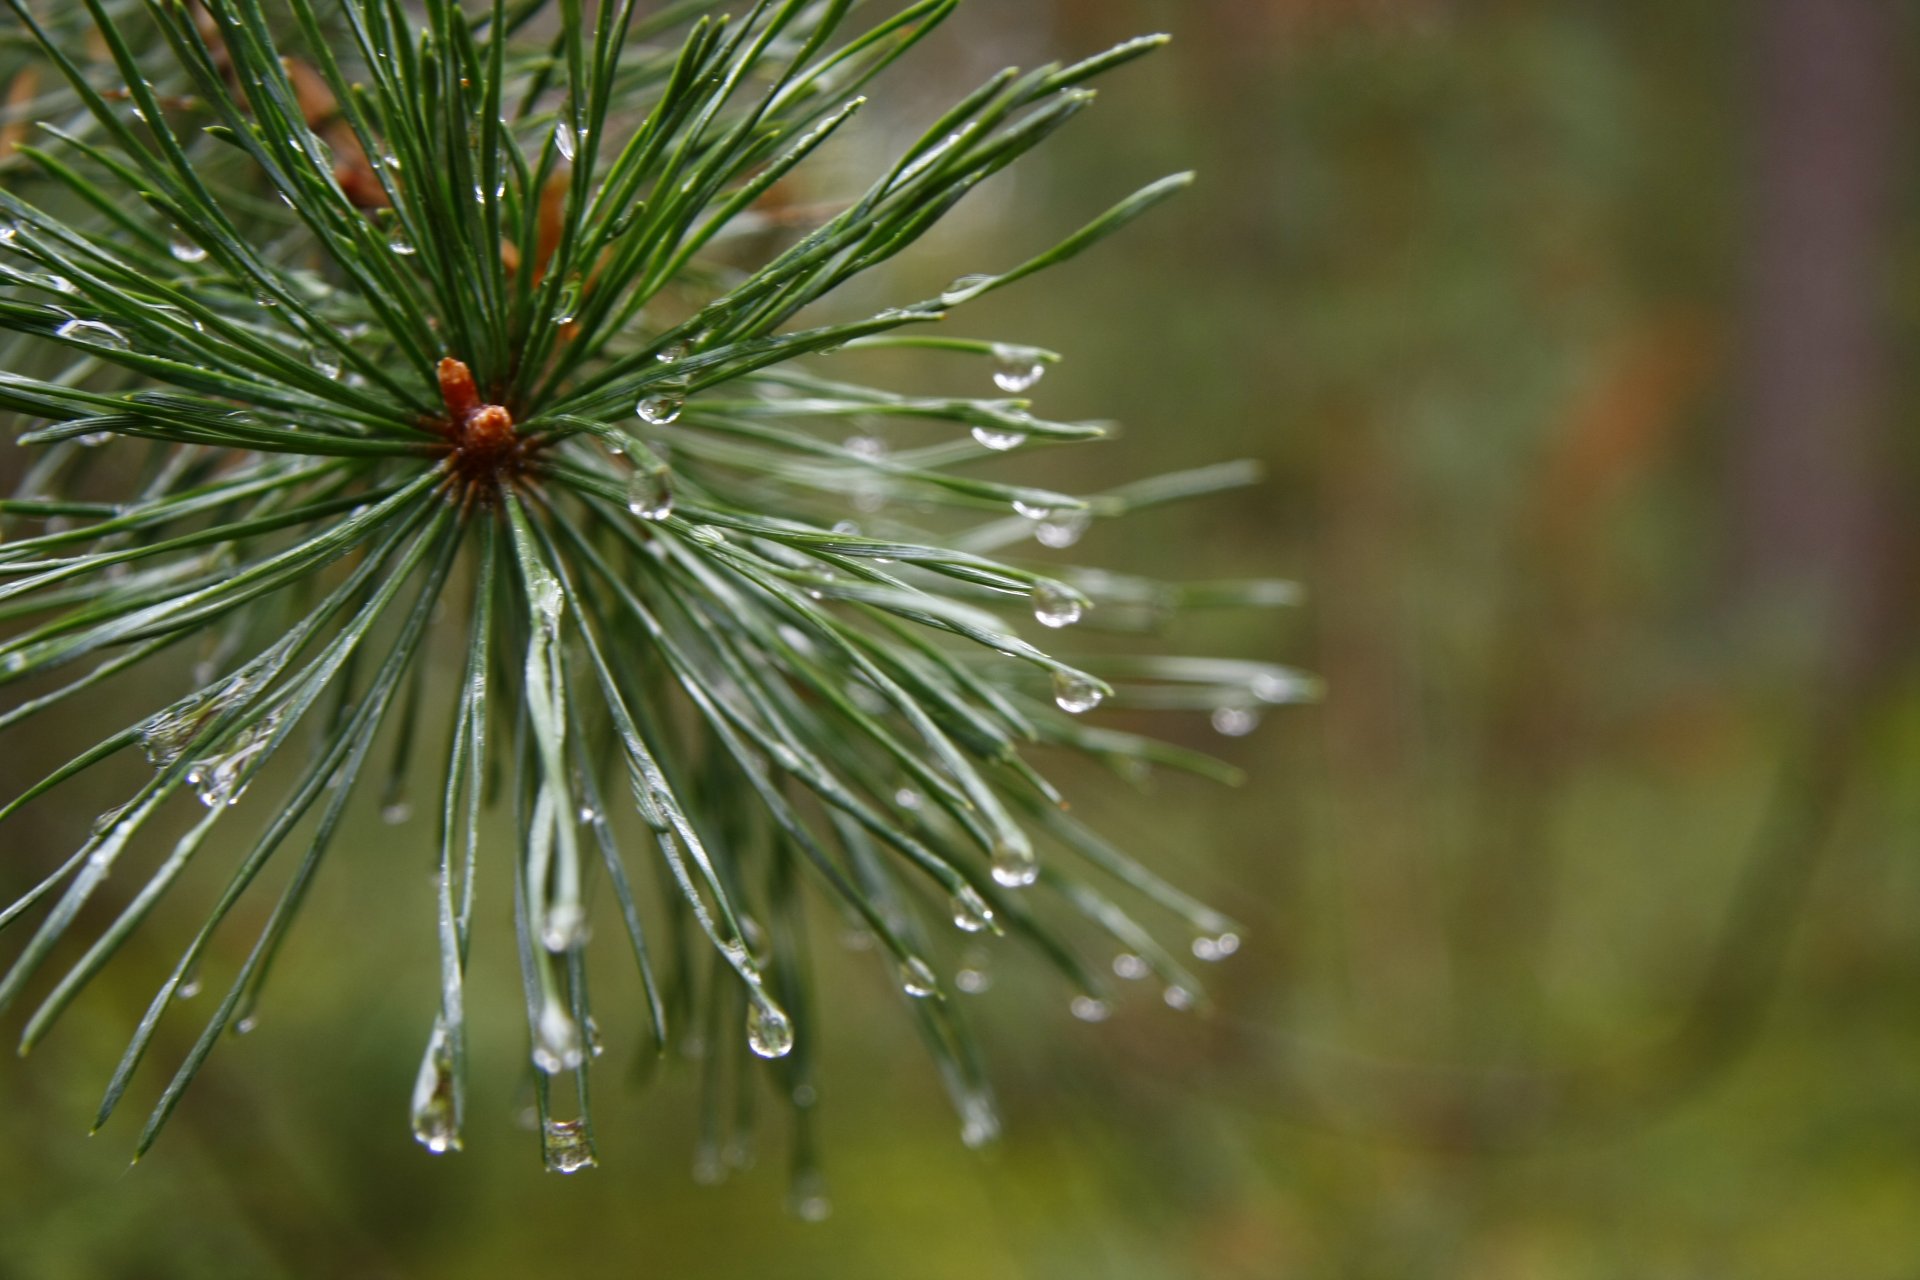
(1473,280)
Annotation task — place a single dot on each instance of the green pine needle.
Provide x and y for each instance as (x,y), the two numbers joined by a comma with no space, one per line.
(433,340)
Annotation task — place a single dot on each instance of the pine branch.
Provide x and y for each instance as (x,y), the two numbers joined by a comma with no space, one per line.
(406,340)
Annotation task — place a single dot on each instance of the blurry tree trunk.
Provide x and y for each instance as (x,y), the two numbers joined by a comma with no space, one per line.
(1811,466)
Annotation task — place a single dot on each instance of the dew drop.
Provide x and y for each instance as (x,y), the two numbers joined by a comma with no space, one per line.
(769,1030)
(556,1042)
(1234,722)
(1054,605)
(1216,948)
(907,798)
(324,359)
(1031,511)
(246,1025)
(1014,864)
(979,1121)
(808,1199)
(972,981)
(1090,1008)
(401,245)
(671,353)
(187,251)
(660,408)
(187,990)
(1178,998)
(436,1123)
(649,496)
(1016,369)
(563,139)
(1129,966)
(963,288)
(999,440)
(917,979)
(871,447)
(94,334)
(1272,687)
(1074,693)
(970,911)
(567,304)
(396,813)
(565,928)
(566,1146)
(1061,529)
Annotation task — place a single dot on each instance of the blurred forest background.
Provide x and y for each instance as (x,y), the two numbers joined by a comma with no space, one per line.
(1583,916)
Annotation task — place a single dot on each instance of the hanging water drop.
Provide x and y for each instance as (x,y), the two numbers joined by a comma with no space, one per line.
(187,990)
(769,1030)
(1062,529)
(566,1146)
(556,1040)
(1055,605)
(671,353)
(1178,998)
(400,244)
(1014,863)
(808,1197)
(917,978)
(565,928)
(1075,693)
(649,496)
(1216,948)
(567,304)
(1090,1008)
(970,911)
(963,288)
(872,447)
(1129,966)
(563,140)
(661,408)
(998,438)
(396,813)
(1031,511)
(187,251)
(325,360)
(1016,369)
(436,1120)
(979,1121)
(94,334)
(973,981)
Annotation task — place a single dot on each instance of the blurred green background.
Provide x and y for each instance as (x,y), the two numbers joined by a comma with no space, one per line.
(1584,917)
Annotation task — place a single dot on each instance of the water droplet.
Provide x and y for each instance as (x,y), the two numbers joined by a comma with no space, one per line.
(1031,511)
(998,439)
(57,283)
(567,1147)
(805,1095)
(1016,369)
(218,779)
(1234,722)
(325,360)
(556,1040)
(1178,998)
(866,446)
(979,1121)
(769,1030)
(567,304)
(846,528)
(265,300)
(94,334)
(1270,686)
(808,1198)
(970,910)
(246,1025)
(187,251)
(1217,948)
(563,139)
(1055,605)
(1062,529)
(1090,1009)
(400,244)
(396,813)
(972,981)
(671,353)
(963,288)
(596,1043)
(565,928)
(649,496)
(436,1123)
(660,408)
(917,978)
(907,798)
(1014,864)
(9,234)
(187,990)
(1075,693)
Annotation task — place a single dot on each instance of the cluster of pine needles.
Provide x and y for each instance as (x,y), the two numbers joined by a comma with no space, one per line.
(396,390)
